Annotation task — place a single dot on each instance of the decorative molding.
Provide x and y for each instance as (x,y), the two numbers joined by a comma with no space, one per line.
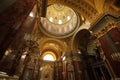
(107,28)
(82,7)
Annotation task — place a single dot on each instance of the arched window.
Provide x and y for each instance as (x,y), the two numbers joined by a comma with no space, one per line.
(49,57)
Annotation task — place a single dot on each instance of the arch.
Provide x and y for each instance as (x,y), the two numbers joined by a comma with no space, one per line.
(50,56)
(81,39)
(52,40)
(51,52)
(54,45)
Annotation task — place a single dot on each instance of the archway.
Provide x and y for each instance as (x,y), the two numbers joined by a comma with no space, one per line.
(49,57)
(81,40)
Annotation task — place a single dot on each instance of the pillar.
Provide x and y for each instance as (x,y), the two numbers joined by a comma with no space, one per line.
(69,68)
(11,20)
(78,68)
(27,73)
(60,70)
(64,73)
(110,45)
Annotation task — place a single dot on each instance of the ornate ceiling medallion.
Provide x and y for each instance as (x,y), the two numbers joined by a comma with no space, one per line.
(59,14)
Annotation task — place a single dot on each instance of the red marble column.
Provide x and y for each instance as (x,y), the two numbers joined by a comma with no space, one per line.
(64,73)
(115,33)
(60,70)
(105,44)
(11,20)
(115,36)
(78,70)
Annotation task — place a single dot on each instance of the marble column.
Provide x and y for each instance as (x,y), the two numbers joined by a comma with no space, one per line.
(59,70)
(78,68)
(29,71)
(70,74)
(11,21)
(110,45)
(64,73)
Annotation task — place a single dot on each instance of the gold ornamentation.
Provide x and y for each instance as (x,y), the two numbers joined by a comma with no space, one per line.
(107,28)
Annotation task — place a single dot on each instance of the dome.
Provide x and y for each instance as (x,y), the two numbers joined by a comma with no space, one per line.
(60,20)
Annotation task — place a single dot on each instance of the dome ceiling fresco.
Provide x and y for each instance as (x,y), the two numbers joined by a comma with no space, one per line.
(60,20)
(59,14)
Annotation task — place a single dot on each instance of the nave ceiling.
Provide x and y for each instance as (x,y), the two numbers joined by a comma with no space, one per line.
(90,10)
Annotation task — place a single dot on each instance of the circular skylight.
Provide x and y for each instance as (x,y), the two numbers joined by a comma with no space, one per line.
(60,20)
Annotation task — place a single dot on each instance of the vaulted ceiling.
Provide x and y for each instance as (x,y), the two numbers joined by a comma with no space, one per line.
(15,20)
